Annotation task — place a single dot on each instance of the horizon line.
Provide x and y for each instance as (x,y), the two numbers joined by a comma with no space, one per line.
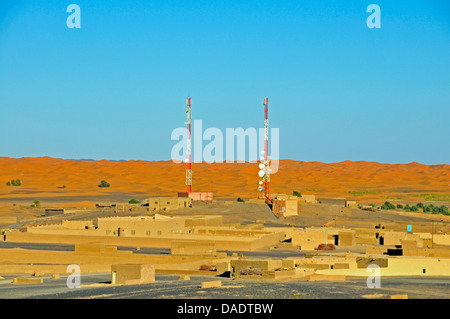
(224,162)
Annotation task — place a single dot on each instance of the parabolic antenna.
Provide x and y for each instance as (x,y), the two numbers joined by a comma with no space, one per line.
(261,173)
(261,166)
(186,108)
(260,188)
(260,182)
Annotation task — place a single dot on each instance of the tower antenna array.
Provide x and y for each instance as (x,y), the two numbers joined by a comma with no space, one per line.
(264,188)
(188,149)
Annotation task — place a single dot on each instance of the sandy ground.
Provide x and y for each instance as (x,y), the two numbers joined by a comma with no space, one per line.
(48,178)
(96,286)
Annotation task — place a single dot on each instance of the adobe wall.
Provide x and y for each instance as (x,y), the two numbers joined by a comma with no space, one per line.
(307,199)
(326,262)
(346,238)
(233,243)
(200,220)
(395,238)
(192,248)
(29,261)
(202,196)
(132,274)
(239,265)
(62,231)
(230,232)
(78,224)
(350,203)
(309,238)
(441,239)
(140,226)
(264,242)
(426,252)
(161,204)
(401,266)
(367,236)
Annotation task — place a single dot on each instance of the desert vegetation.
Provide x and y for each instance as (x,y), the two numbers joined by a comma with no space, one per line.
(14,182)
(419,207)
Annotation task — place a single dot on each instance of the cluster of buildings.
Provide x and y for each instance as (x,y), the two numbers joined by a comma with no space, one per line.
(203,243)
(288,205)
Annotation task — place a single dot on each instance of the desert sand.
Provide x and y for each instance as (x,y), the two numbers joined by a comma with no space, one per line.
(78,180)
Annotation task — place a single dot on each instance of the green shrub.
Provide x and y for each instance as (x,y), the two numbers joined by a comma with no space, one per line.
(240,200)
(445,211)
(14,182)
(420,205)
(295,193)
(104,184)
(399,206)
(37,203)
(435,209)
(133,201)
(387,205)
(414,209)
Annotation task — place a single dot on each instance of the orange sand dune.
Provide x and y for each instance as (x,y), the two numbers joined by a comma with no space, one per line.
(364,181)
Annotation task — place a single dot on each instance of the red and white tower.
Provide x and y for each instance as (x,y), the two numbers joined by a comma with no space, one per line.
(264,188)
(188,149)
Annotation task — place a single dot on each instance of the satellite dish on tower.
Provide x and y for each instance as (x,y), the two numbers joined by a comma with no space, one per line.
(261,166)
(261,173)
(260,182)
(260,188)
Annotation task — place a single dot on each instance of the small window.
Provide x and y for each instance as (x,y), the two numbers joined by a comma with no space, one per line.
(159,233)
(147,233)
(133,232)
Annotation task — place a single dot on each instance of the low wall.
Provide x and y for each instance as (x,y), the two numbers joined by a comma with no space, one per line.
(401,266)
(28,261)
(132,274)
(229,243)
(184,247)
(440,239)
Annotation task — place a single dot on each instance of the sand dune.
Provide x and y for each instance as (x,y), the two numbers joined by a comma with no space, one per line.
(51,177)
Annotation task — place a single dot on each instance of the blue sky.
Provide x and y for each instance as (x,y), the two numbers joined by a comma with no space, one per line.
(116,88)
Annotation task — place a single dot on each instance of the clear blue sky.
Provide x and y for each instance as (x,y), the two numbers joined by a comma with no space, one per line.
(116,88)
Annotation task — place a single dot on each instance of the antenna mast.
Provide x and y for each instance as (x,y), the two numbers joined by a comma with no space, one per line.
(188,150)
(264,188)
